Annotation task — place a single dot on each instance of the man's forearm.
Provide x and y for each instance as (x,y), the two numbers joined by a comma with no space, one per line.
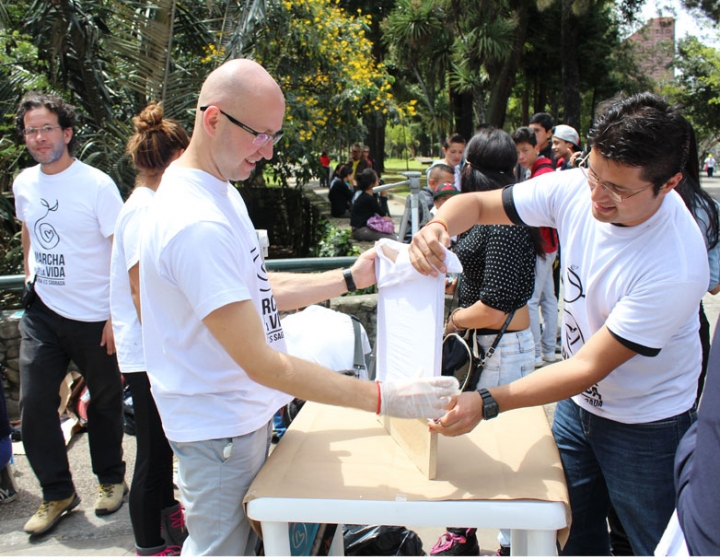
(293,290)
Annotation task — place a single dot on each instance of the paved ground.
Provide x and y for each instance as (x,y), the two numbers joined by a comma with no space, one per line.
(84,534)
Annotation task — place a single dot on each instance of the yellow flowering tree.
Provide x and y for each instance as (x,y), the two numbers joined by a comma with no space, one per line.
(322,59)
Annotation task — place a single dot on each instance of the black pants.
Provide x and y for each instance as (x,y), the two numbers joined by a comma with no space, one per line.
(49,341)
(152,484)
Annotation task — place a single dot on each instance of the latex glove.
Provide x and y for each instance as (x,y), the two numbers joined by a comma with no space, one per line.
(417,398)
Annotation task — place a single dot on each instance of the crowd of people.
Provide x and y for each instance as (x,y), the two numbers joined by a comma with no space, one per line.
(169,292)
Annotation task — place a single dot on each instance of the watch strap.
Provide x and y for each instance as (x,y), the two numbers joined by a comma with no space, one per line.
(349,282)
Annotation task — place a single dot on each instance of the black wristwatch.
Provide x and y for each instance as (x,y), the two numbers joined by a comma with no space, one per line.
(490,408)
(349,282)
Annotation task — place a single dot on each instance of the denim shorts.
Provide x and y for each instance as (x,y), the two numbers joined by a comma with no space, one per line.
(514,358)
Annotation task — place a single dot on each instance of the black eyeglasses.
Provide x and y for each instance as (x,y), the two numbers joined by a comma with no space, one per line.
(261,138)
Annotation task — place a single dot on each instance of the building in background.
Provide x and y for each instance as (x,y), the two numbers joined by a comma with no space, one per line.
(655,47)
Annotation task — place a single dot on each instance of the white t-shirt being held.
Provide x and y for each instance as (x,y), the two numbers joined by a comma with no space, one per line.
(70,217)
(198,253)
(643,282)
(125,255)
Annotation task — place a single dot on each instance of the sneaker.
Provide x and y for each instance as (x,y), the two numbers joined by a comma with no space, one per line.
(549,358)
(163,550)
(539,362)
(8,488)
(110,498)
(49,514)
(457,544)
(503,551)
(172,525)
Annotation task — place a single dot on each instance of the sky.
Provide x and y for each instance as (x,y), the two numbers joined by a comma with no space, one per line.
(685,22)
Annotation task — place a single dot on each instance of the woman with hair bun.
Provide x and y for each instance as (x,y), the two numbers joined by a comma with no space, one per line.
(157,518)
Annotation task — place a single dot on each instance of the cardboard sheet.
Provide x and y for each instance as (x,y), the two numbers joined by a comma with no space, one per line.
(346,454)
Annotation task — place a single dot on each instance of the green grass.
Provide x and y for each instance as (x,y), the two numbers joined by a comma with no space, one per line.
(393,167)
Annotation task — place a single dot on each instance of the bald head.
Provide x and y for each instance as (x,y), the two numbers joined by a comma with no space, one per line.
(239,85)
(240,103)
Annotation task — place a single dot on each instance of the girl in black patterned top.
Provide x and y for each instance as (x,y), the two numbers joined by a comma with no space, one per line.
(498,278)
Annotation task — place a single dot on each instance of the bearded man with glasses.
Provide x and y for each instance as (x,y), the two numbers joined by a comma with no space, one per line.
(635,268)
(68,211)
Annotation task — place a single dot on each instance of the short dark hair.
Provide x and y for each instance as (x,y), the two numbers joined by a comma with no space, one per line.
(438,168)
(65,113)
(492,157)
(543,119)
(344,171)
(524,134)
(365,178)
(643,130)
(454,138)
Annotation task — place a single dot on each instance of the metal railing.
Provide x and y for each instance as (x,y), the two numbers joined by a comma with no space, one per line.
(411,216)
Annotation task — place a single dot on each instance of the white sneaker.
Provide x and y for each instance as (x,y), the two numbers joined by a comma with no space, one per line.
(539,362)
(549,358)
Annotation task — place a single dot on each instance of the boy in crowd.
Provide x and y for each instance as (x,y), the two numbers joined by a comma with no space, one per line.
(453,152)
(565,142)
(542,125)
(544,294)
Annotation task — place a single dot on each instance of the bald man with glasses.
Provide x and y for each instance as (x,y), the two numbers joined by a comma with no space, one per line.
(635,268)
(214,343)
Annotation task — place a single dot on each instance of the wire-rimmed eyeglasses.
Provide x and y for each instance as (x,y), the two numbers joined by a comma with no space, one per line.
(261,138)
(594,181)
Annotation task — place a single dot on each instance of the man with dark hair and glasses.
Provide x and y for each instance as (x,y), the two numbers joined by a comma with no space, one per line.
(68,211)
(635,269)
(214,344)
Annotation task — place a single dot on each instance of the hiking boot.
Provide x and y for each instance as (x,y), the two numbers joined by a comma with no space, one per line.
(8,488)
(457,544)
(172,525)
(49,514)
(162,550)
(110,498)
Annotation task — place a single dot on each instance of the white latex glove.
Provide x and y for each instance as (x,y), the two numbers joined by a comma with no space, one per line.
(417,398)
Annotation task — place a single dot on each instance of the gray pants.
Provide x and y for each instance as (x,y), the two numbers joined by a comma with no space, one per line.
(214,477)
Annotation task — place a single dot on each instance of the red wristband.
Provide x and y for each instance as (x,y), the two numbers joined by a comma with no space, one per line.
(379,398)
(440,221)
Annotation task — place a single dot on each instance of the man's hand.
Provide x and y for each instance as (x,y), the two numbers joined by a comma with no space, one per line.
(363,270)
(466,413)
(427,249)
(108,339)
(417,398)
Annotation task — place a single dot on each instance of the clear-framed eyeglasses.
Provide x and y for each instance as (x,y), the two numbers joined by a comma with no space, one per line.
(594,181)
(32,131)
(261,138)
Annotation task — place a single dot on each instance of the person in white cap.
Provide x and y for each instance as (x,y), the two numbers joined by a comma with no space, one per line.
(565,142)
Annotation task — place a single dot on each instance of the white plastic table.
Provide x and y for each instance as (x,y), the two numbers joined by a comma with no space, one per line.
(337,465)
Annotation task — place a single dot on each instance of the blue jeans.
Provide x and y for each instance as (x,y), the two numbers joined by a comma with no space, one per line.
(630,465)
(543,299)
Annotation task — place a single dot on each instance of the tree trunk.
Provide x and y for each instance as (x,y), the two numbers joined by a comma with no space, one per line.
(570,39)
(502,74)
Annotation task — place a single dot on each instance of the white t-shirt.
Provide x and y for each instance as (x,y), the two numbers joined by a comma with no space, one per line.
(199,252)
(643,282)
(125,255)
(324,336)
(70,217)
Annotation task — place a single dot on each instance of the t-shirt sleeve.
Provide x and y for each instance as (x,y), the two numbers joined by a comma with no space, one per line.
(131,236)
(632,316)
(543,200)
(203,261)
(108,207)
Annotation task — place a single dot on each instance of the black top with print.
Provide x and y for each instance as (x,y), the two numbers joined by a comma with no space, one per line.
(498,267)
